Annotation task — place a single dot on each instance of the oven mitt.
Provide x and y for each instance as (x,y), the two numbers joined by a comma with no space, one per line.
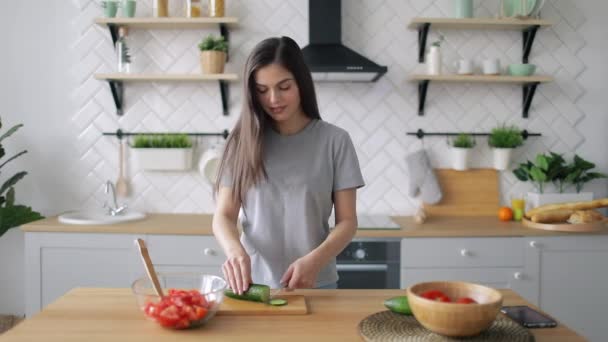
(422,178)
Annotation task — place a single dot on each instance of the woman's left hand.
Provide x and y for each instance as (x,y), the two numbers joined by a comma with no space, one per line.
(302,273)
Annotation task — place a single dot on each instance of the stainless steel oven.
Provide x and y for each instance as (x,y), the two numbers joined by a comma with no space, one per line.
(369,264)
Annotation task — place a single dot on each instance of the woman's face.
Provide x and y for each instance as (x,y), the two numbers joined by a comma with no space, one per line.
(278,92)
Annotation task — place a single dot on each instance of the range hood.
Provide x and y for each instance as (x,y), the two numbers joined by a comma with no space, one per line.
(326,57)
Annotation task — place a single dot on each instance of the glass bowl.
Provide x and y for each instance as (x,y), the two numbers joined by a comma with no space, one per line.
(190,299)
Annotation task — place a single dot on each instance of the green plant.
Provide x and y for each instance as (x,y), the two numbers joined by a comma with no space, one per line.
(438,42)
(12,215)
(546,168)
(162,141)
(463,140)
(578,173)
(505,137)
(211,43)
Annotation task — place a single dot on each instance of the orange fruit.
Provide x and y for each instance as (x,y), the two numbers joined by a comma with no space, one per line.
(505,214)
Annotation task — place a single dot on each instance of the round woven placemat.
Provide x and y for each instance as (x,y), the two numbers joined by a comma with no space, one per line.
(389,326)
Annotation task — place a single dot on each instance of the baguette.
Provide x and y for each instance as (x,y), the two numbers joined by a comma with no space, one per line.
(588,205)
(585,216)
(553,216)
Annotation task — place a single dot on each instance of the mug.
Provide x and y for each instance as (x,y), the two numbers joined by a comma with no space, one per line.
(128,8)
(463,8)
(209,162)
(491,66)
(110,7)
(464,67)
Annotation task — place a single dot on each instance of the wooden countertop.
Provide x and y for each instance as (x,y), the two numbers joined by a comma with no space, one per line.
(200,224)
(96,315)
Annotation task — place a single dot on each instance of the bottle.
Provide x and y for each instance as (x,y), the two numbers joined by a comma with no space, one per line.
(433,61)
(193,8)
(123,50)
(216,8)
(160,8)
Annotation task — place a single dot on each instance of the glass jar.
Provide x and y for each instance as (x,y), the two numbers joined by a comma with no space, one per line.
(160,8)
(216,8)
(194,8)
(123,54)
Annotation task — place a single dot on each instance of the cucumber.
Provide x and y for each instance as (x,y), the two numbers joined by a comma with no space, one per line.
(399,305)
(255,293)
(277,302)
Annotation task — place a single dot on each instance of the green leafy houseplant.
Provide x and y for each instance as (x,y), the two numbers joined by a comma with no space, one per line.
(11,214)
(162,141)
(578,173)
(463,140)
(211,43)
(546,168)
(505,137)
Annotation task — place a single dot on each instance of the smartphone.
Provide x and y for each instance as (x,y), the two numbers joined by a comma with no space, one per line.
(528,317)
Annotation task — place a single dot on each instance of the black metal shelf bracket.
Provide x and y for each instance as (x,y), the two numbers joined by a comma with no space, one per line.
(529,90)
(226,34)
(117,89)
(528,34)
(113,32)
(423,32)
(420,134)
(423,87)
(225,92)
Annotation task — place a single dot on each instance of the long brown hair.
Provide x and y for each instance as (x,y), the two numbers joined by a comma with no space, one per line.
(242,162)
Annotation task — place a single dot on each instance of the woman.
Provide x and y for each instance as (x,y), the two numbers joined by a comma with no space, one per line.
(285,168)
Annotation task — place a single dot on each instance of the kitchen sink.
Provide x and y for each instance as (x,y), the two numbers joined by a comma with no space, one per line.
(99,217)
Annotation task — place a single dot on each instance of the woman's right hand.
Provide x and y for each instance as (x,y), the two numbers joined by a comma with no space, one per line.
(237,270)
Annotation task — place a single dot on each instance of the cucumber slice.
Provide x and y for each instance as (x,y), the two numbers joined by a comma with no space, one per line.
(277,302)
(255,293)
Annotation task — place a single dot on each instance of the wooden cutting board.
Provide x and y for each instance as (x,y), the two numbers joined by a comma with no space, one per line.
(473,192)
(296,305)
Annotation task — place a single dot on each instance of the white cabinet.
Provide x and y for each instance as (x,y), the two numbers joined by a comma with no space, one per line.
(573,280)
(57,262)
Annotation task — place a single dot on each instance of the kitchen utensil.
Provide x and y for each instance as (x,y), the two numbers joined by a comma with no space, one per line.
(567,227)
(390,326)
(461,195)
(145,257)
(521,69)
(122,187)
(453,319)
(296,305)
(491,66)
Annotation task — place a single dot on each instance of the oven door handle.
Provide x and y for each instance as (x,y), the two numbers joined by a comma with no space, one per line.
(362,268)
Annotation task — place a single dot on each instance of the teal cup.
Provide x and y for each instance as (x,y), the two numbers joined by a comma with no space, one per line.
(463,8)
(520,69)
(128,8)
(109,8)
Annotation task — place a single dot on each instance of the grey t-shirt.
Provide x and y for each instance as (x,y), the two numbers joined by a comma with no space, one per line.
(286,216)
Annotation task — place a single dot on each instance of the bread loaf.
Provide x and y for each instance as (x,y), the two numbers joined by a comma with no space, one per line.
(588,205)
(553,216)
(585,216)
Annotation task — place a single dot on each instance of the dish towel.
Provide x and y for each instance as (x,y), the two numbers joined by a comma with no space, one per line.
(422,178)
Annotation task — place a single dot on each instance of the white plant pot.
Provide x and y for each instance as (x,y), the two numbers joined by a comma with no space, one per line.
(502,158)
(535,199)
(460,158)
(163,159)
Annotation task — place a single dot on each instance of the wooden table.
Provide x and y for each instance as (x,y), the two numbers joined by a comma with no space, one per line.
(93,314)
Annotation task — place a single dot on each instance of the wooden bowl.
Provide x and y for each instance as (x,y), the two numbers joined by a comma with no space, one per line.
(451,319)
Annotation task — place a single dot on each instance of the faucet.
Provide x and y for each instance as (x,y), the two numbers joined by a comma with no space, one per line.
(115,209)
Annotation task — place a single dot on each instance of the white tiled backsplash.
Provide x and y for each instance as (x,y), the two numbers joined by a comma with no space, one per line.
(377,115)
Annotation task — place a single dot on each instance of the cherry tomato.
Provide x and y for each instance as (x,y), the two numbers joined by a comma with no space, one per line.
(436,295)
(178,309)
(466,300)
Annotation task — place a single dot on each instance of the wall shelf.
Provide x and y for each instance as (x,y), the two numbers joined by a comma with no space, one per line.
(116,80)
(529,27)
(529,84)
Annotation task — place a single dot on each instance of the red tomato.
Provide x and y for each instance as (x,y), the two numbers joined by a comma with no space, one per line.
(200,312)
(466,300)
(443,298)
(435,295)
(178,308)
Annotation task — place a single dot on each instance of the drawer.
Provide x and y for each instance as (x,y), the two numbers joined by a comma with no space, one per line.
(462,252)
(184,250)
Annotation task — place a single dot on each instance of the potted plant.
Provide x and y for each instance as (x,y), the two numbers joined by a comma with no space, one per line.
(503,139)
(552,168)
(213,54)
(461,148)
(169,152)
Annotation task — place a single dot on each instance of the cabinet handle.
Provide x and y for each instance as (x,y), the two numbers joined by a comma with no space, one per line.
(534,244)
(518,275)
(209,252)
(465,252)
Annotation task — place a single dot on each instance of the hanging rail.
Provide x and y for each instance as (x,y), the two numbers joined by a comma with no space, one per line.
(421,134)
(120,134)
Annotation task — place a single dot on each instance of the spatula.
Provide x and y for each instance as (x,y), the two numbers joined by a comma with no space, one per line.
(143,251)
(122,187)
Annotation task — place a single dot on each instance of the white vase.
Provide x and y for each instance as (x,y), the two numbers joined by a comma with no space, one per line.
(460,158)
(535,199)
(502,158)
(163,159)
(433,61)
